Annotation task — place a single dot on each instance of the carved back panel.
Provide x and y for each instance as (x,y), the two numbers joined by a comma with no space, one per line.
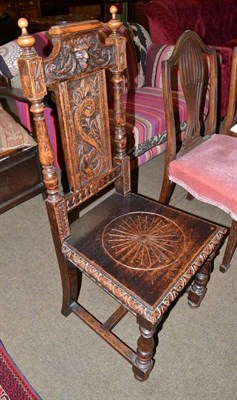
(83,114)
(196,64)
(76,72)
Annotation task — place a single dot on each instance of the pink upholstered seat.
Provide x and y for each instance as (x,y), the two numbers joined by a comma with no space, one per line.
(205,163)
(209,172)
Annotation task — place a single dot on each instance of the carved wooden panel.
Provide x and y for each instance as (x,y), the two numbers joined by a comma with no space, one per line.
(74,55)
(85,124)
(143,241)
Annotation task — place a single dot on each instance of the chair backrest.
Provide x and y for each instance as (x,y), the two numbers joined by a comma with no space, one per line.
(76,72)
(231,116)
(194,65)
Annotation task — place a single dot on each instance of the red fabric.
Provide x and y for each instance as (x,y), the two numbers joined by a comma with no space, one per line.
(43,44)
(13,385)
(213,20)
(231,43)
(226,55)
(209,172)
(219,18)
(168,19)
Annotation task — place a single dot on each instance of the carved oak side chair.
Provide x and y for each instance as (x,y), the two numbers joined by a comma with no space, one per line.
(206,163)
(141,253)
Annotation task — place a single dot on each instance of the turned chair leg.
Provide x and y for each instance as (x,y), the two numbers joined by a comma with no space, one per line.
(199,286)
(144,362)
(230,247)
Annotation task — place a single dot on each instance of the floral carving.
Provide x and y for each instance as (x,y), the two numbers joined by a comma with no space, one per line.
(87,120)
(77,55)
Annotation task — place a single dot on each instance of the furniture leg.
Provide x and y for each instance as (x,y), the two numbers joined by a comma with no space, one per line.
(143,363)
(230,247)
(199,288)
(166,190)
(70,276)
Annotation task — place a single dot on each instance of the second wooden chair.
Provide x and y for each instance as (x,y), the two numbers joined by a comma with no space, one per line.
(206,163)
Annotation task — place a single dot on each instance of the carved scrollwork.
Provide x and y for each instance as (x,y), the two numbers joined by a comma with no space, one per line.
(88,123)
(78,55)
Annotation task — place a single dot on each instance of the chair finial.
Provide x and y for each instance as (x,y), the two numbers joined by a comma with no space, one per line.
(114,24)
(25,41)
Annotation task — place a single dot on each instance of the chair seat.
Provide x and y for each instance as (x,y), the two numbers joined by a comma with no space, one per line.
(207,172)
(142,251)
(146,123)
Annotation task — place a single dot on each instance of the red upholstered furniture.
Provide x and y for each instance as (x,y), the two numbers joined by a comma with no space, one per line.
(213,20)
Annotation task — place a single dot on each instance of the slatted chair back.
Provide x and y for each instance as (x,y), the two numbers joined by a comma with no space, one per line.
(195,66)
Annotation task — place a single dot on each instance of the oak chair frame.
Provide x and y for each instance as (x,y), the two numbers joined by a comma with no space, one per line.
(75,70)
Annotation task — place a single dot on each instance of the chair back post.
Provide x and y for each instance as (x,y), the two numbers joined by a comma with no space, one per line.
(213,94)
(122,185)
(32,79)
(169,112)
(231,109)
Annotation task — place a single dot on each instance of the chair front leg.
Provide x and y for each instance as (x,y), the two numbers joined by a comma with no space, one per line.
(143,363)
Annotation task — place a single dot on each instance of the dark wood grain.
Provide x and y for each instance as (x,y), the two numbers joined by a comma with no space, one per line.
(140,252)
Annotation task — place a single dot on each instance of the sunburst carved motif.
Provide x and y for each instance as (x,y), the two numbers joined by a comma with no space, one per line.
(143,241)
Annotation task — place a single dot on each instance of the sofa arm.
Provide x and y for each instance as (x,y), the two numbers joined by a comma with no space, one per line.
(11,51)
(154,57)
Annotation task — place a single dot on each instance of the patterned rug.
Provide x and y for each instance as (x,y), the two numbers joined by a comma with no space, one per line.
(13,385)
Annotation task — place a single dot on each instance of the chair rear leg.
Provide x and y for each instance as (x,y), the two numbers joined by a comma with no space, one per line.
(230,247)
(199,286)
